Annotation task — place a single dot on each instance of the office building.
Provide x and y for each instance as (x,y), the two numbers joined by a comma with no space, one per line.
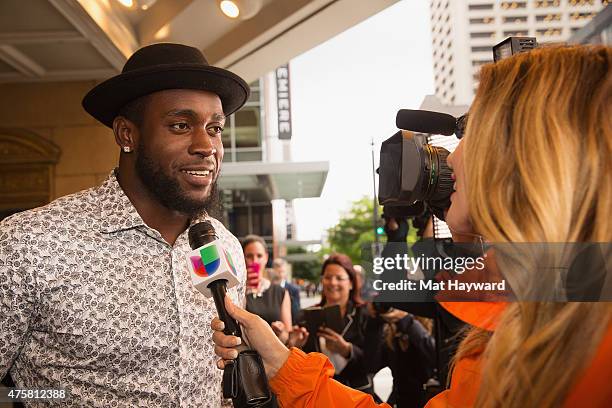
(464,31)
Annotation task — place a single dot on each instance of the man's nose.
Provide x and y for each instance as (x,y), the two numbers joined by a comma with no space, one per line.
(201,143)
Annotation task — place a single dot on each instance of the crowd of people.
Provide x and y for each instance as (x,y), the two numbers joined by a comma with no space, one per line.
(366,340)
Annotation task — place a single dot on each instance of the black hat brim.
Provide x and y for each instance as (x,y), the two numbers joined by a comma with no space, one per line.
(105,100)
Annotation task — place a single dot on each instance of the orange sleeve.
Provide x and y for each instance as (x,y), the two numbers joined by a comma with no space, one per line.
(305,381)
(464,387)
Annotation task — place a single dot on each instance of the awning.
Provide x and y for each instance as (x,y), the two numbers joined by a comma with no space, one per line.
(283,180)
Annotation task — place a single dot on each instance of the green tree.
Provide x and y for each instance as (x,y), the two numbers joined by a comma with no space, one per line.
(354,230)
(309,270)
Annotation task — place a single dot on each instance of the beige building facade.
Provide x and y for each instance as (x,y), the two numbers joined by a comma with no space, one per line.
(49,146)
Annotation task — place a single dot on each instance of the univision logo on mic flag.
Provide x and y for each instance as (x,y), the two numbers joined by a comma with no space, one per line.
(208,261)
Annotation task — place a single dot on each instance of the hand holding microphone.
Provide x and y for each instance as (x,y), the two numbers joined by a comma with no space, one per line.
(212,271)
(260,335)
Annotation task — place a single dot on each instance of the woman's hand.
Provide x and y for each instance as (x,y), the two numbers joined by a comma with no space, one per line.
(258,335)
(297,337)
(335,342)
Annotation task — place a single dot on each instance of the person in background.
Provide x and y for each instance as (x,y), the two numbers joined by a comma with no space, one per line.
(279,268)
(409,350)
(340,286)
(268,300)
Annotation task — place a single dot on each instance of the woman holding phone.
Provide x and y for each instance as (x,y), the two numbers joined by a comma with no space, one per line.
(269,301)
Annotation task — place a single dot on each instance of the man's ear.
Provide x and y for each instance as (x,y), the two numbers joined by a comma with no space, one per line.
(126,134)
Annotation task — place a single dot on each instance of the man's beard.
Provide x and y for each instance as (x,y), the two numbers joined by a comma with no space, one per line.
(169,193)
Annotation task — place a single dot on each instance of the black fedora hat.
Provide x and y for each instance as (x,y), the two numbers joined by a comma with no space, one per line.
(164,66)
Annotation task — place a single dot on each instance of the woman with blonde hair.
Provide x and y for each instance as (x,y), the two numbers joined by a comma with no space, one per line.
(534,166)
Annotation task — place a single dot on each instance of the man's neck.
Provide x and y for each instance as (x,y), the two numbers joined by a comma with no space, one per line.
(169,223)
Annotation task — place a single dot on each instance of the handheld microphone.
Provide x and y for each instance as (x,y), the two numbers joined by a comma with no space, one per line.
(423,121)
(212,271)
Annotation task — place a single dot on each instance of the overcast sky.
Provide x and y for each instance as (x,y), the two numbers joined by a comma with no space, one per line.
(346,92)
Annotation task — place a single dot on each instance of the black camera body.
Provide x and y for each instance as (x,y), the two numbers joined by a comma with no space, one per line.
(413,173)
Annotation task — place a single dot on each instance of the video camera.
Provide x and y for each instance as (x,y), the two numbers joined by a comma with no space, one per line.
(414,175)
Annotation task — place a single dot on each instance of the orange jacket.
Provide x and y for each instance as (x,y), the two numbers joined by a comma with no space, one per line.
(305,380)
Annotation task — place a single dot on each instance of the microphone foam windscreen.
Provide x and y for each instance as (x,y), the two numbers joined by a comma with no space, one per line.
(423,121)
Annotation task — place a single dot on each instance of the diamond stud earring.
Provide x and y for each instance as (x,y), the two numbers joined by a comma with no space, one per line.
(127,149)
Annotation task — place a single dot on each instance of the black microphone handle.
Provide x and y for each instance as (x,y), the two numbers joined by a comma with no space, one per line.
(218,289)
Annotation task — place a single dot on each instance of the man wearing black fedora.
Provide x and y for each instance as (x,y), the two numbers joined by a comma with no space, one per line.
(96,297)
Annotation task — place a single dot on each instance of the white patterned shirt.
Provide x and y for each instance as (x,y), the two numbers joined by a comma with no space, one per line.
(94,301)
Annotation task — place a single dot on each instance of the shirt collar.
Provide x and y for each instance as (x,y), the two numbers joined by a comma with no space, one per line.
(116,210)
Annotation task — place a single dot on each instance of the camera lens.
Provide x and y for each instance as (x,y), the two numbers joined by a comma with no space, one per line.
(438,184)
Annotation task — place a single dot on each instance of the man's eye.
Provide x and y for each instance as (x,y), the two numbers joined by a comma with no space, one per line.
(180,126)
(216,129)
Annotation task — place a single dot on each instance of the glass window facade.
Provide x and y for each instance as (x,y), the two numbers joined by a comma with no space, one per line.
(255,218)
(242,136)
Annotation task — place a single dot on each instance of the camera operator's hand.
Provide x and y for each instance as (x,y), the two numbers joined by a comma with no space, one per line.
(257,333)
(335,342)
(393,315)
(396,229)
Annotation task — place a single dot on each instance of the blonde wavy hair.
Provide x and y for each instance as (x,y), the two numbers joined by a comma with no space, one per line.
(537,156)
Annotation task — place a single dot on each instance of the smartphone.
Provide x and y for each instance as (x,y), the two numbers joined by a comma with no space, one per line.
(253,275)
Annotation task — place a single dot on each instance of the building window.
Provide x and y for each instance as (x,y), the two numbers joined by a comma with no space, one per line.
(482,20)
(481,48)
(515,19)
(516,33)
(487,34)
(546,3)
(578,3)
(581,16)
(548,32)
(242,135)
(479,62)
(509,5)
(473,7)
(548,17)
